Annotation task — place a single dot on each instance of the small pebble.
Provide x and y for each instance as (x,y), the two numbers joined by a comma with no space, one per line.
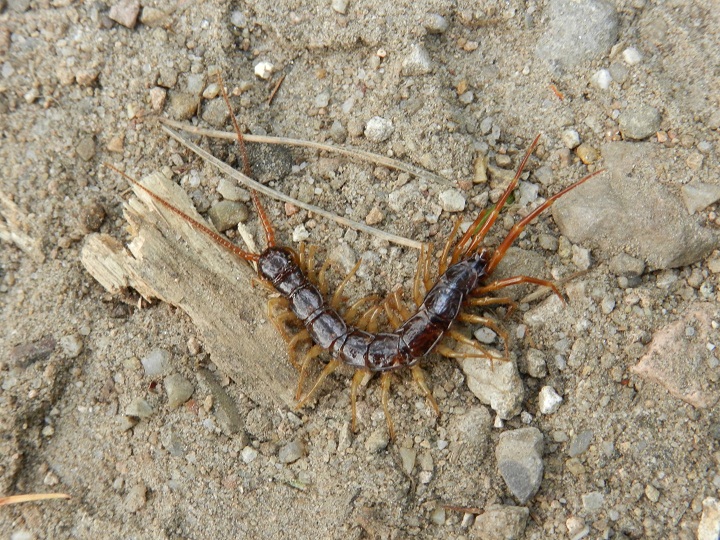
(157,98)
(452,200)
(125,12)
(86,77)
(300,233)
(72,345)
(438,516)
(338,133)
(155,362)
(698,196)
(339,6)
(652,493)
(602,79)
(549,400)
(378,129)
(227,214)
(571,138)
(536,365)
(377,440)
(632,56)
(581,257)
(709,528)
(238,19)
(417,62)
(231,191)
(639,122)
(626,265)
(607,305)
(249,454)
(86,148)
(154,17)
(216,113)
(408,456)
(291,452)
(587,154)
(264,70)
(581,443)
(374,217)
(183,105)
(178,389)
(139,408)
(485,335)
(435,23)
(593,501)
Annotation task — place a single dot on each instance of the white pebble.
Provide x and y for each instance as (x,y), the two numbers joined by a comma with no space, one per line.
(632,56)
(264,70)
(300,233)
(452,200)
(549,400)
(602,79)
(378,129)
(485,335)
(340,6)
(249,454)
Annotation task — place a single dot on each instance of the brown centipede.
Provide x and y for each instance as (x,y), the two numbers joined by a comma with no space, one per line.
(353,338)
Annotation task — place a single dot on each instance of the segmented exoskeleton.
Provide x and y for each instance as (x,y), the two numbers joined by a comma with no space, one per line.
(352,338)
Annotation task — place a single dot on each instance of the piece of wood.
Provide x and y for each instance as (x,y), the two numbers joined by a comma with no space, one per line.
(168,259)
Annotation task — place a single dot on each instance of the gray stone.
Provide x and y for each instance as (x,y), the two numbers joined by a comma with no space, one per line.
(215,113)
(155,362)
(178,390)
(698,196)
(227,214)
(435,23)
(139,408)
(614,210)
(709,528)
(579,31)
(136,498)
(519,458)
(580,443)
(86,148)
(593,501)
(291,452)
(626,265)
(377,440)
(417,62)
(639,122)
(231,191)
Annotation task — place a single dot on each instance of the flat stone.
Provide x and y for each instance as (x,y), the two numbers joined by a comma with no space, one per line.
(139,408)
(498,384)
(579,31)
(86,148)
(500,522)
(519,458)
(709,528)
(639,122)
(417,61)
(698,196)
(215,113)
(452,200)
(183,105)
(156,362)
(291,452)
(681,363)
(178,390)
(613,210)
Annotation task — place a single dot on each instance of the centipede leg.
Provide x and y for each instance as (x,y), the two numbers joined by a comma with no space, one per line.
(448,352)
(313,352)
(310,263)
(442,268)
(322,281)
(490,300)
(419,376)
(329,368)
(281,317)
(477,319)
(399,305)
(356,382)
(385,381)
(337,296)
(352,312)
(517,280)
(301,337)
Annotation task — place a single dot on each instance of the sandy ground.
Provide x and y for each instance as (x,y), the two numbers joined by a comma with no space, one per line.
(624,457)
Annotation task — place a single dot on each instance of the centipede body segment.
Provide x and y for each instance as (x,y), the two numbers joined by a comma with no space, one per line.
(352,337)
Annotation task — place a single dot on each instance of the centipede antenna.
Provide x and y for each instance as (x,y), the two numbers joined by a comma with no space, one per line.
(267,226)
(224,242)
(479,237)
(520,225)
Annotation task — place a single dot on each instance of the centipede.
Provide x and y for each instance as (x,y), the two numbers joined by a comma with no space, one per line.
(352,336)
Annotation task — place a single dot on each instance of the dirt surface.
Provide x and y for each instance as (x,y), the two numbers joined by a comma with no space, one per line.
(631,452)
